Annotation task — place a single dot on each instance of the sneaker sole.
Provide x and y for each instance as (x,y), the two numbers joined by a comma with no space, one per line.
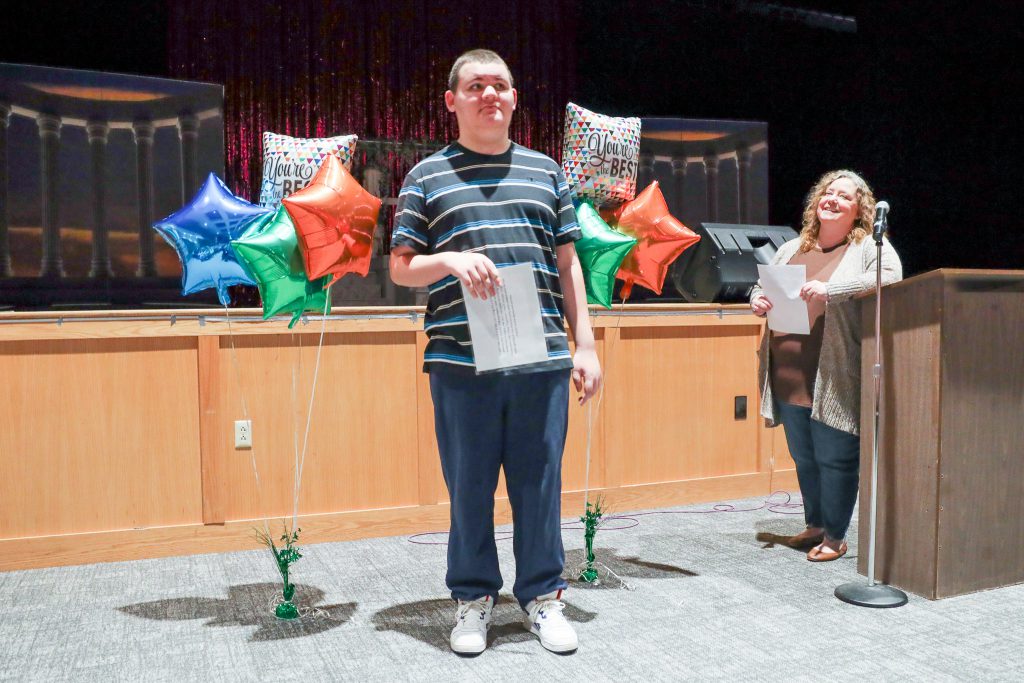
(468,653)
(561,652)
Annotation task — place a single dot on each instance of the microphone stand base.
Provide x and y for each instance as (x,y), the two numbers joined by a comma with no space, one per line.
(878,595)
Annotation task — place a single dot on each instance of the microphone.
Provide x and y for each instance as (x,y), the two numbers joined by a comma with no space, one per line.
(881,220)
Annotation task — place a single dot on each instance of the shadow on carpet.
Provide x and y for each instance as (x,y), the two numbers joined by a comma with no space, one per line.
(624,566)
(251,605)
(779,533)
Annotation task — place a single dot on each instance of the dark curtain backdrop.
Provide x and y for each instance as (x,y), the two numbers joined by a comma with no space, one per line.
(918,101)
(376,68)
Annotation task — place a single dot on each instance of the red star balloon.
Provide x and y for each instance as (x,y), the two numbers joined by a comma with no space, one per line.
(334,220)
(661,238)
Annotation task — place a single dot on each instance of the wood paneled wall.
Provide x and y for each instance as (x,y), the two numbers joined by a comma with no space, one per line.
(118,435)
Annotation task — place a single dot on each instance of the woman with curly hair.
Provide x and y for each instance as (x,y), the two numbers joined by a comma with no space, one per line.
(810,383)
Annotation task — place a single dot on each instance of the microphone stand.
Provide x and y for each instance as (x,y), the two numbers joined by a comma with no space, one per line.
(874,594)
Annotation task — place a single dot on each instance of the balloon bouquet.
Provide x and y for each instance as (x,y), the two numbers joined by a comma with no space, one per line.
(599,158)
(637,245)
(316,224)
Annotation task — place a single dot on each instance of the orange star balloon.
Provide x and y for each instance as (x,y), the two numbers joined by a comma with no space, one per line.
(334,220)
(661,238)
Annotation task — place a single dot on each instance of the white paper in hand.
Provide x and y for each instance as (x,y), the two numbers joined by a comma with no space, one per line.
(507,329)
(781,286)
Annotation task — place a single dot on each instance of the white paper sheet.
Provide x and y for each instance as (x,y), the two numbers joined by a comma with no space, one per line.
(507,329)
(782,285)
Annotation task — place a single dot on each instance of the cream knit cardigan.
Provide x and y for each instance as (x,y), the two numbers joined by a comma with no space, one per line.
(836,400)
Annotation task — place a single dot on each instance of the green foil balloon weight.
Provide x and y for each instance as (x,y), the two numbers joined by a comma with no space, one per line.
(601,251)
(591,518)
(284,556)
(269,251)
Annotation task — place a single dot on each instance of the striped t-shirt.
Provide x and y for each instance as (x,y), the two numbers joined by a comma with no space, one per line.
(513,208)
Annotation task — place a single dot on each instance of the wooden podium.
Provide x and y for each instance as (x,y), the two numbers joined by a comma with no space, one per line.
(951,453)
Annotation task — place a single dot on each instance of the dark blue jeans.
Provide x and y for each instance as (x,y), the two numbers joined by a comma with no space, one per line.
(516,422)
(827,467)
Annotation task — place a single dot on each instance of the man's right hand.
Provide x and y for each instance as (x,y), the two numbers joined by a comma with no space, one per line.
(760,305)
(476,272)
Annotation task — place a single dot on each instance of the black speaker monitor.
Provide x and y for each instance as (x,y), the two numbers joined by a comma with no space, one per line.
(723,266)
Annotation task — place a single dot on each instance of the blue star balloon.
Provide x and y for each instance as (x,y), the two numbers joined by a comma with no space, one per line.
(201,233)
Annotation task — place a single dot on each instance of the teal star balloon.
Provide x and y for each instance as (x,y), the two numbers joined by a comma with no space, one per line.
(601,250)
(269,250)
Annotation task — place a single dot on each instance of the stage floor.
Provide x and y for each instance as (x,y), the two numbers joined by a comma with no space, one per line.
(709,602)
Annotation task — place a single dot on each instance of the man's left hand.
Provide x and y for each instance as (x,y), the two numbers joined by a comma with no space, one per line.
(586,373)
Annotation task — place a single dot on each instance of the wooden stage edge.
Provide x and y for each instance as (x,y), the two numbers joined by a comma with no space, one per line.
(123,438)
(191,539)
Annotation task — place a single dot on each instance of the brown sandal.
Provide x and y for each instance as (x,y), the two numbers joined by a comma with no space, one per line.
(823,553)
(805,542)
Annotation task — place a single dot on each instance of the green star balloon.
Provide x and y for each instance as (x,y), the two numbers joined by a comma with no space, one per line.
(601,250)
(269,251)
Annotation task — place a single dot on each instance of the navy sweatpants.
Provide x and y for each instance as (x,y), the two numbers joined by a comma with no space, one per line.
(518,422)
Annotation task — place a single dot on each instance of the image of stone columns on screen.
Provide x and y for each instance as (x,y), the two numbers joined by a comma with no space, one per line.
(88,161)
(709,171)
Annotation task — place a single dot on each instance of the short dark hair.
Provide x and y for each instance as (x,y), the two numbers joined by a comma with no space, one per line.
(478,57)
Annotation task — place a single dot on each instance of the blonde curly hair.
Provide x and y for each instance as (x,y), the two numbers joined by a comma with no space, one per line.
(862,224)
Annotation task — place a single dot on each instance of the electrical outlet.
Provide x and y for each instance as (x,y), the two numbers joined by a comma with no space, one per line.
(243,434)
(739,407)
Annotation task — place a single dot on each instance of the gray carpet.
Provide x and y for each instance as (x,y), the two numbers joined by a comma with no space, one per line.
(710,602)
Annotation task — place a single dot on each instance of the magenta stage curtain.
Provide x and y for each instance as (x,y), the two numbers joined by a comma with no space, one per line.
(370,67)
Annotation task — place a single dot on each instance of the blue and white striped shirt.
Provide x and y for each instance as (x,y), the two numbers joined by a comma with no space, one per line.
(513,208)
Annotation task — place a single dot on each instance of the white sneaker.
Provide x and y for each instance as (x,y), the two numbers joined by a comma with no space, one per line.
(469,637)
(544,617)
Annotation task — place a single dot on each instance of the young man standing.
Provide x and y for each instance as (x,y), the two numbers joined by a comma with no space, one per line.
(481,203)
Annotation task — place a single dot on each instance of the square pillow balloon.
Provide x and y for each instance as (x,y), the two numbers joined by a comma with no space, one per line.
(289,164)
(600,155)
